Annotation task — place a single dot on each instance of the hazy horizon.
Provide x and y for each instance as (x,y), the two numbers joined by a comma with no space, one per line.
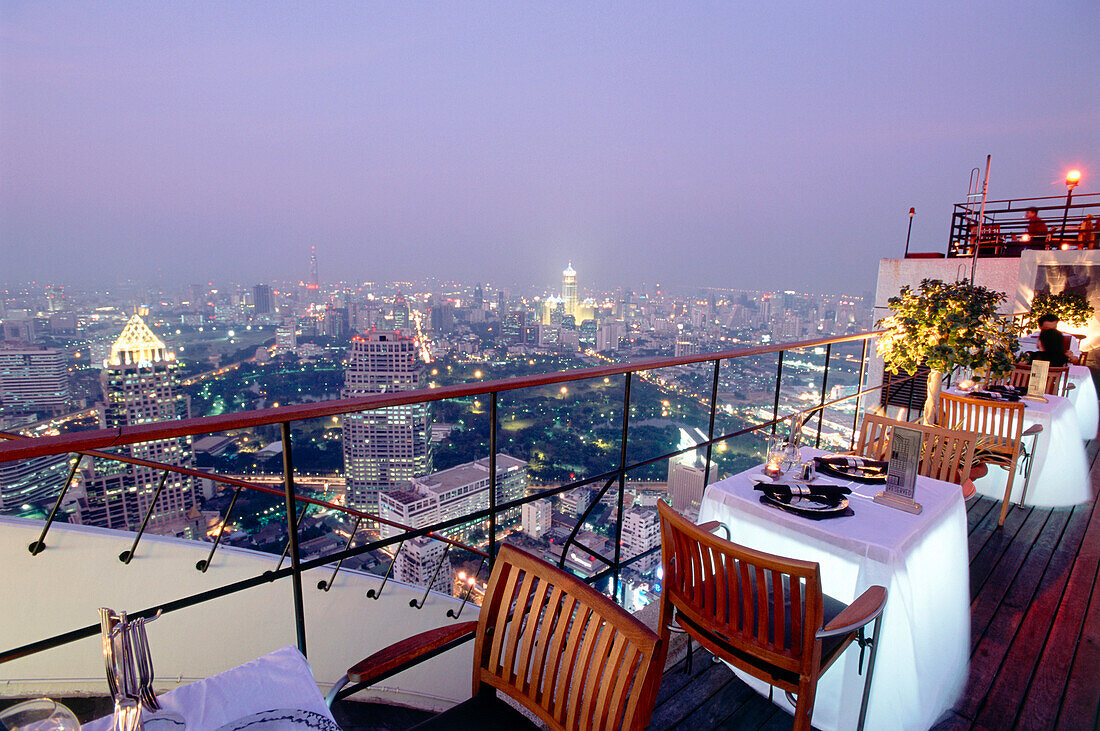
(703,145)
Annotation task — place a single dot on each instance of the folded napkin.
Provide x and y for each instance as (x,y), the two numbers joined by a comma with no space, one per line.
(845,461)
(830,492)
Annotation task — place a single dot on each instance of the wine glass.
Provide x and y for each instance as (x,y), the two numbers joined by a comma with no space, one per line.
(40,714)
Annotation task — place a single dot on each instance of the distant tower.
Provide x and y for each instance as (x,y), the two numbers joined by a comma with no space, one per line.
(569,290)
(261,299)
(139,387)
(386,448)
(400,312)
(313,281)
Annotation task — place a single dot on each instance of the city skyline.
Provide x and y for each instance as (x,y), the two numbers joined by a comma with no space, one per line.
(691,145)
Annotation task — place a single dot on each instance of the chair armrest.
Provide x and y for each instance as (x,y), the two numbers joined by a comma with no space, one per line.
(1032,430)
(865,608)
(409,652)
(1071,386)
(713,525)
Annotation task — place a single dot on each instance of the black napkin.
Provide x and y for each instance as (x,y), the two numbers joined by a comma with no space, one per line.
(829,492)
(842,462)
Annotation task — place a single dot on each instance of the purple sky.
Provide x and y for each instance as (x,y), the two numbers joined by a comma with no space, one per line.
(720,144)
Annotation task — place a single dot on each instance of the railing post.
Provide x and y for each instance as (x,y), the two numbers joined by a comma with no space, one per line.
(39,546)
(713,409)
(622,486)
(493,477)
(204,565)
(427,590)
(824,387)
(127,556)
(376,593)
(286,548)
(326,585)
(859,392)
(292,529)
(473,580)
(778,380)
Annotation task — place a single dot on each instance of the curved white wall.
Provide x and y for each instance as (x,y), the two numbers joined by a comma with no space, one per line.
(61,589)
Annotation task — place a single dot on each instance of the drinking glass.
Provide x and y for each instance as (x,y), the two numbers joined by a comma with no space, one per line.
(40,714)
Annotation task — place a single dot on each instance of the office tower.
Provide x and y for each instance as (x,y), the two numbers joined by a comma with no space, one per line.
(314,282)
(685,482)
(401,317)
(418,563)
(513,329)
(33,381)
(479,296)
(609,336)
(139,387)
(454,492)
(685,345)
(569,290)
(335,324)
(385,448)
(261,299)
(286,340)
(29,483)
(443,317)
(537,518)
(641,533)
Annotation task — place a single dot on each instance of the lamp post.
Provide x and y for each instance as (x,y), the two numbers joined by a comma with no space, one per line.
(1073,177)
(912,212)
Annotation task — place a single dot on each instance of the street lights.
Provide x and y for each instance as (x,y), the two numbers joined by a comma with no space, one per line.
(1073,177)
(912,212)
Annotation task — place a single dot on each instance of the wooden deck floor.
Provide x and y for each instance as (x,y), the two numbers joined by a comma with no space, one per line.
(1034,637)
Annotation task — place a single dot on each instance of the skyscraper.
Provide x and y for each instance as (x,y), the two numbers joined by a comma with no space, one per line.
(569,290)
(386,448)
(400,312)
(33,380)
(261,299)
(139,387)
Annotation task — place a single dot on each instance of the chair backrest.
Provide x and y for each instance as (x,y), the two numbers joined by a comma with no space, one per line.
(1057,378)
(562,649)
(1000,424)
(764,606)
(946,454)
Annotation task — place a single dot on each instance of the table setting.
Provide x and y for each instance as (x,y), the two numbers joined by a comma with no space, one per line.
(920,558)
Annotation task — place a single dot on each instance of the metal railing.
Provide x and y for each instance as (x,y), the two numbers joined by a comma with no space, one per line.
(91,443)
(1002,231)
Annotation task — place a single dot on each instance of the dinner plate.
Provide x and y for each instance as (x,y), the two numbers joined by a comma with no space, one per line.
(847,472)
(811,507)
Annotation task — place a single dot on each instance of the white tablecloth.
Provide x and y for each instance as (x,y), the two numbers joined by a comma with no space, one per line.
(1059,468)
(1083,398)
(922,560)
(274,691)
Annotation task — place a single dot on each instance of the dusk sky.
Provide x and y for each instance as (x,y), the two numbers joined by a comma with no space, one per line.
(728,144)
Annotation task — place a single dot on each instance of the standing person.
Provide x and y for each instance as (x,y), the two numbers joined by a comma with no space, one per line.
(1086,233)
(1036,228)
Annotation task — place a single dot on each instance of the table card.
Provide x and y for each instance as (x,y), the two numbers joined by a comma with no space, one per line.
(1037,383)
(901,475)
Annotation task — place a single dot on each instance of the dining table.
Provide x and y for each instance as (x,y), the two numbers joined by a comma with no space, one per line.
(1059,466)
(1083,399)
(921,559)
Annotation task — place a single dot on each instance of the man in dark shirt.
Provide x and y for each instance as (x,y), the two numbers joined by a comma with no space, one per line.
(1036,228)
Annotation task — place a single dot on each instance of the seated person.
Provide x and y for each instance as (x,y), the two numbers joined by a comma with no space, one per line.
(1052,348)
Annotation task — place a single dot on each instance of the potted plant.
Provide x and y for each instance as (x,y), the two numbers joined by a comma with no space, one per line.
(944,326)
(1069,307)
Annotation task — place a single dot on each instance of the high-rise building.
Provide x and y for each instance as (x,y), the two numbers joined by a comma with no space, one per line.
(569,290)
(454,492)
(314,282)
(537,518)
(513,329)
(686,479)
(139,387)
(261,299)
(401,317)
(479,296)
(32,381)
(32,482)
(641,533)
(417,564)
(385,448)
(286,340)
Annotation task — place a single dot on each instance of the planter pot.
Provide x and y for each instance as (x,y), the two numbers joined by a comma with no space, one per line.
(932,398)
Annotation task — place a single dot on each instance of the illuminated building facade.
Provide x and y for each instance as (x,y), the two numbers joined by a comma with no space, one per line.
(139,387)
(33,380)
(386,448)
(569,290)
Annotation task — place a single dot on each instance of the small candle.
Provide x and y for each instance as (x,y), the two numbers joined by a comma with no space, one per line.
(771,469)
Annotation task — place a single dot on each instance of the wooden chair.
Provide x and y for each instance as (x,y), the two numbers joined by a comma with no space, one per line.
(763,614)
(946,454)
(545,639)
(1057,379)
(1000,429)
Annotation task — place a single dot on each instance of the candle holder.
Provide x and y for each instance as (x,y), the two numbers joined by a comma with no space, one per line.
(776,456)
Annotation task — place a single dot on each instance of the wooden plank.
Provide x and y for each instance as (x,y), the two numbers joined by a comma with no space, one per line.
(1044,696)
(702,686)
(976,511)
(1019,527)
(1006,619)
(675,679)
(1081,702)
(731,697)
(1006,695)
(951,721)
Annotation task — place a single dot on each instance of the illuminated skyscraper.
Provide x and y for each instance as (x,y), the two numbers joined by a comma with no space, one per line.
(386,448)
(401,315)
(314,283)
(569,290)
(139,387)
